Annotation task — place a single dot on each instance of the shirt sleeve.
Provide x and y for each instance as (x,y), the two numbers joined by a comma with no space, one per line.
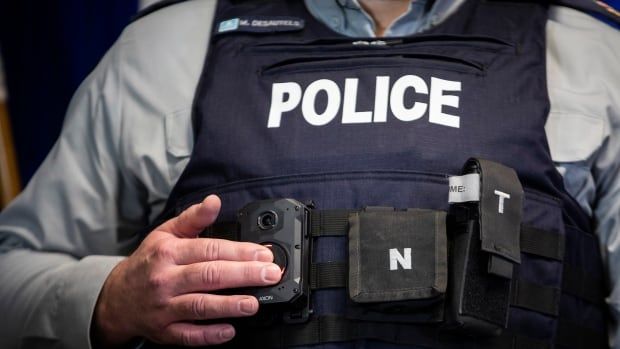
(67,210)
(584,128)
(126,139)
(606,173)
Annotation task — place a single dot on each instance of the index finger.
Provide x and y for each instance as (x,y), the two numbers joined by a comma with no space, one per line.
(189,251)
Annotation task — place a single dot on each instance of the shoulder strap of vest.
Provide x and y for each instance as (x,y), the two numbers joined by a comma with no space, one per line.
(591,6)
(154,8)
(166,3)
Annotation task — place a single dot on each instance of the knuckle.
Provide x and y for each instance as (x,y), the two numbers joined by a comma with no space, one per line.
(164,251)
(211,274)
(199,307)
(209,338)
(225,308)
(187,338)
(180,221)
(252,271)
(161,302)
(212,250)
(157,281)
(188,216)
(182,218)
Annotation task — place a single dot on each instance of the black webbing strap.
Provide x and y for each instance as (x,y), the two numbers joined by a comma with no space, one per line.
(524,294)
(330,222)
(541,299)
(336,329)
(543,243)
(328,275)
(573,336)
(534,241)
(578,283)
(225,230)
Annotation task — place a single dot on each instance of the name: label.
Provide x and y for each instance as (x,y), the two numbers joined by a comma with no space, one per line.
(464,188)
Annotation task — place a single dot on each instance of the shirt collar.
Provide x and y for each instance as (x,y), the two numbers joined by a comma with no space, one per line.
(348,18)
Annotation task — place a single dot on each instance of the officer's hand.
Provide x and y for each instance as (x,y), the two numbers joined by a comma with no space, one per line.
(161,289)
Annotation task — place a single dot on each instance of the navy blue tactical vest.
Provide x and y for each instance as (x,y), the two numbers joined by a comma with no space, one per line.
(287,108)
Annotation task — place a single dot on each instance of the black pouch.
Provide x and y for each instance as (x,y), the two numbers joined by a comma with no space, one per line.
(398,265)
(484,229)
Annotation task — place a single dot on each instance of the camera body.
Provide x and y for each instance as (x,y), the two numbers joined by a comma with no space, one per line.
(283,226)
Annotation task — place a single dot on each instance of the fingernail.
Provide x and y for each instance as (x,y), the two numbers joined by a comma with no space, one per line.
(246,306)
(271,273)
(227,333)
(263,255)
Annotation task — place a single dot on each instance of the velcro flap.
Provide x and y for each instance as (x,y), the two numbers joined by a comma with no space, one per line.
(397,255)
(501,206)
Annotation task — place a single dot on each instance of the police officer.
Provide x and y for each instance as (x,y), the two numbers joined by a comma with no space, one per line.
(128,138)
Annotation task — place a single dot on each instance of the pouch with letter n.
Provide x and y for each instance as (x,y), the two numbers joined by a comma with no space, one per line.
(397,265)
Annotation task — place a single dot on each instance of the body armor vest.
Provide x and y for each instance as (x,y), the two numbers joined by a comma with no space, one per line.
(287,108)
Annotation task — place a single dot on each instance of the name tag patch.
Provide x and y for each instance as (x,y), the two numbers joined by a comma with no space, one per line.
(261,24)
(464,188)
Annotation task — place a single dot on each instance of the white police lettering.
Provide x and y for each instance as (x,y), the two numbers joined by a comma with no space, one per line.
(397,98)
(438,100)
(333,102)
(287,96)
(502,196)
(280,105)
(349,114)
(381,98)
(396,258)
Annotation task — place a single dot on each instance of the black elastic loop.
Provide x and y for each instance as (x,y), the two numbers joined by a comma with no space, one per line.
(542,299)
(330,222)
(543,243)
(328,275)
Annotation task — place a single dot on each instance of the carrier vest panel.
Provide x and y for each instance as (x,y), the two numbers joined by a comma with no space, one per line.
(287,108)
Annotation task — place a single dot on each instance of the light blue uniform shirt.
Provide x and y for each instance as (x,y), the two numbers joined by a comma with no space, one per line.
(349,18)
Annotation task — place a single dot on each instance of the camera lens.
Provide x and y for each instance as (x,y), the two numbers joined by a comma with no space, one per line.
(267,220)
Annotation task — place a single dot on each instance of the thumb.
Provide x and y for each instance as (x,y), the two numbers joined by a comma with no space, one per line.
(194,219)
